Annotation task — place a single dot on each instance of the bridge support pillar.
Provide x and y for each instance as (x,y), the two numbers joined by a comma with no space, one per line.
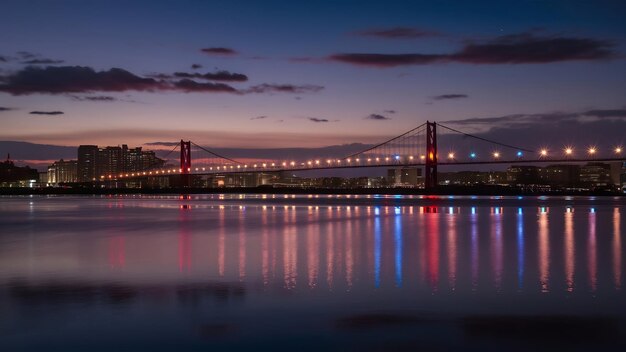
(430,179)
(185,163)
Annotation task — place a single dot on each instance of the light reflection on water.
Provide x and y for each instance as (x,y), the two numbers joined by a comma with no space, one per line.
(310,257)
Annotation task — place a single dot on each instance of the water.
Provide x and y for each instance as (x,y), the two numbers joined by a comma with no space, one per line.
(311,273)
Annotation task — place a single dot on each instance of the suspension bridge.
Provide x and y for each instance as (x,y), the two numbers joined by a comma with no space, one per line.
(417,147)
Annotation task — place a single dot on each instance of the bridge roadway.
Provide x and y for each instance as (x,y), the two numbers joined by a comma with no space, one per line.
(356,165)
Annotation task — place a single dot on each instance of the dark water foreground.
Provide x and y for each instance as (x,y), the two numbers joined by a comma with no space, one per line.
(311,273)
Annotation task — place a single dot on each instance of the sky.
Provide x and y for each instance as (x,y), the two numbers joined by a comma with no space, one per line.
(250,75)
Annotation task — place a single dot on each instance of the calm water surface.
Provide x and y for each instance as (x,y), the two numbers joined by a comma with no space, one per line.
(363,273)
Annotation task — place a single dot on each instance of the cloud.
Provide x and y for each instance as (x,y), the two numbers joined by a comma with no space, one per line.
(3,58)
(219,51)
(75,79)
(377,117)
(103,98)
(25,55)
(450,96)
(284,88)
(546,120)
(4,108)
(398,33)
(43,62)
(196,66)
(386,60)
(258,118)
(390,111)
(78,79)
(214,76)
(188,85)
(46,112)
(524,48)
(315,119)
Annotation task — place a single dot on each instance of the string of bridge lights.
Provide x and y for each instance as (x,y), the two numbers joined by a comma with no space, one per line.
(568,151)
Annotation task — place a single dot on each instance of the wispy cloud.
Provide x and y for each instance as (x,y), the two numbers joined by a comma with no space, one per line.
(450,96)
(523,48)
(377,117)
(46,112)
(398,33)
(219,51)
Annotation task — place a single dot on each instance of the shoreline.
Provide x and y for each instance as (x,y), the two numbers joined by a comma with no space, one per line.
(443,190)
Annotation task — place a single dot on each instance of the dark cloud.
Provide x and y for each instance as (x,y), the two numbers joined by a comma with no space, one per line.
(398,33)
(3,59)
(4,108)
(315,119)
(165,144)
(46,112)
(607,113)
(43,62)
(104,98)
(188,85)
(546,120)
(215,76)
(387,60)
(75,79)
(196,66)
(390,111)
(450,96)
(284,88)
(25,55)
(78,79)
(219,51)
(524,48)
(258,118)
(377,117)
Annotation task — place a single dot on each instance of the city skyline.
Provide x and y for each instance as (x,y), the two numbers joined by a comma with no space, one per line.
(284,75)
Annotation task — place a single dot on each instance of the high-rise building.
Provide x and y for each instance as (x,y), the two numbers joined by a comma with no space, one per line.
(109,161)
(87,160)
(63,171)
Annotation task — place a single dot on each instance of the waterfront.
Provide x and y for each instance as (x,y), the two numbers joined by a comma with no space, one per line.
(311,272)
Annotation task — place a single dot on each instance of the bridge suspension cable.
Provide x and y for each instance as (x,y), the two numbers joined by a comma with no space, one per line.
(487,140)
(409,133)
(215,154)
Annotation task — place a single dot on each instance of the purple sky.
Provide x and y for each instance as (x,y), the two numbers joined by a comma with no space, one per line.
(236,74)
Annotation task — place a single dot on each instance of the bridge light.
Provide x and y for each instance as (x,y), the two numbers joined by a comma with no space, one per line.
(328,161)
(423,157)
(411,157)
(357,160)
(450,155)
(569,150)
(519,154)
(239,166)
(211,168)
(377,159)
(101,176)
(496,155)
(293,163)
(618,150)
(472,155)
(543,152)
(231,167)
(309,162)
(188,169)
(338,161)
(369,160)
(592,150)
(317,162)
(397,157)
(203,169)
(254,165)
(264,164)
(273,164)
(284,163)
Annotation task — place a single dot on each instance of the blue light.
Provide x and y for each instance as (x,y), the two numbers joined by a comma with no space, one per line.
(519,154)
(397,157)
(472,155)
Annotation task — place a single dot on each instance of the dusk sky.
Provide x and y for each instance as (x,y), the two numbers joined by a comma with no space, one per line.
(274,74)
